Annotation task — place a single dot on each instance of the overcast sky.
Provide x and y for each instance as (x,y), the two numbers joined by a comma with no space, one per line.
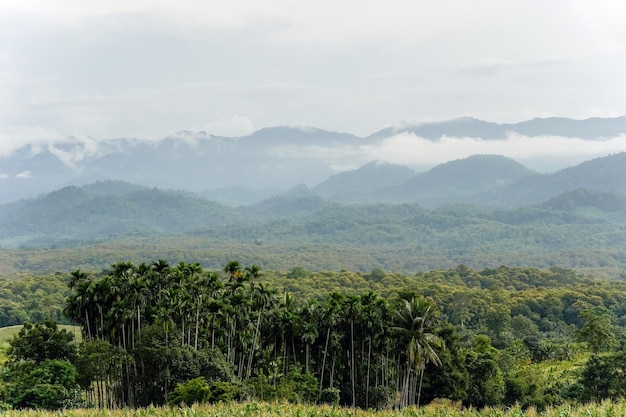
(147,68)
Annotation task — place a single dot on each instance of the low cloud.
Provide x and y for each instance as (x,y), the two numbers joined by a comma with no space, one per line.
(25,174)
(542,153)
(13,138)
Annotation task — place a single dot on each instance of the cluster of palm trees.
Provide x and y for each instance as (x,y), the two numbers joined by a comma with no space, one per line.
(359,345)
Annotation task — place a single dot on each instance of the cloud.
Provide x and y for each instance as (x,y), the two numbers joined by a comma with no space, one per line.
(148,68)
(25,174)
(542,153)
(13,138)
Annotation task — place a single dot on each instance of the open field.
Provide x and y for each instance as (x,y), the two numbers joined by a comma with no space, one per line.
(6,333)
(606,408)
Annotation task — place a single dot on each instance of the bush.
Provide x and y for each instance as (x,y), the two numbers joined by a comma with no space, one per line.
(193,391)
(51,385)
(222,392)
(198,390)
(380,396)
(330,396)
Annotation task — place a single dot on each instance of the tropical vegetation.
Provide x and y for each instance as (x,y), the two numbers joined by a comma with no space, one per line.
(157,333)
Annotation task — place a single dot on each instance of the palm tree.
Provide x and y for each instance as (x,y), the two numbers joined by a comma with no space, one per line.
(373,330)
(233,269)
(330,317)
(262,300)
(352,308)
(417,320)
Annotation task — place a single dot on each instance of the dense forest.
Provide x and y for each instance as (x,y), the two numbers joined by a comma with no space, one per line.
(157,333)
(93,226)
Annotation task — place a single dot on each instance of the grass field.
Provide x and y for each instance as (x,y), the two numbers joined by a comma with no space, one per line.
(605,409)
(6,333)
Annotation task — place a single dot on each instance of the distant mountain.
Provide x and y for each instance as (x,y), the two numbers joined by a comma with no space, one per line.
(463,127)
(578,228)
(298,202)
(362,185)
(486,180)
(298,136)
(238,195)
(275,158)
(460,181)
(583,199)
(106,210)
(593,128)
(606,174)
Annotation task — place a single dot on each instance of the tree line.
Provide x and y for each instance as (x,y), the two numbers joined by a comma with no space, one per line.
(159,333)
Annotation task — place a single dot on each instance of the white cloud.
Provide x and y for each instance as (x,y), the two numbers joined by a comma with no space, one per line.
(14,137)
(147,68)
(541,153)
(25,174)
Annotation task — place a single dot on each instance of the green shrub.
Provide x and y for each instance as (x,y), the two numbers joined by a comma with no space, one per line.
(330,396)
(222,391)
(193,391)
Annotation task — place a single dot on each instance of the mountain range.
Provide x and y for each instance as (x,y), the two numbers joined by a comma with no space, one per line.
(270,161)
(108,210)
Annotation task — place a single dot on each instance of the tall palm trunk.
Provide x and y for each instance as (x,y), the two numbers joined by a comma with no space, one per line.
(419,391)
(367,380)
(324,361)
(197,322)
(352,370)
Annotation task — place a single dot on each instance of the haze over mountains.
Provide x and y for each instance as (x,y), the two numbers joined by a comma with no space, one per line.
(275,198)
(337,166)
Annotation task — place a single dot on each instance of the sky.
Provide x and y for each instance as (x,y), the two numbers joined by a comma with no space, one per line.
(94,70)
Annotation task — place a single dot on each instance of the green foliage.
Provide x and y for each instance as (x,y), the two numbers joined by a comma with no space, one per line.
(198,390)
(597,331)
(49,385)
(297,272)
(150,327)
(32,299)
(330,395)
(486,387)
(604,376)
(193,391)
(295,386)
(39,372)
(314,235)
(42,341)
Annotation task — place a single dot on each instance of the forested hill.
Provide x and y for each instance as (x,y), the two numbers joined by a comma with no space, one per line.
(486,180)
(91,226)
(108,210)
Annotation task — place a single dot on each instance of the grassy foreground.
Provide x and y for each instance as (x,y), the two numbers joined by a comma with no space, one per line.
(604,409)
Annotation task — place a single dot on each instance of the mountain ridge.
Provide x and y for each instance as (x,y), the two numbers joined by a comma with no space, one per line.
(275,158)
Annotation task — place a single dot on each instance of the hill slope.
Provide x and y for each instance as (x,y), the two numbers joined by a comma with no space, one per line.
(460,181)
(105,210)
(363,185)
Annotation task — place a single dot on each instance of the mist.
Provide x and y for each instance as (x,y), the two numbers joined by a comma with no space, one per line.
(540,153)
